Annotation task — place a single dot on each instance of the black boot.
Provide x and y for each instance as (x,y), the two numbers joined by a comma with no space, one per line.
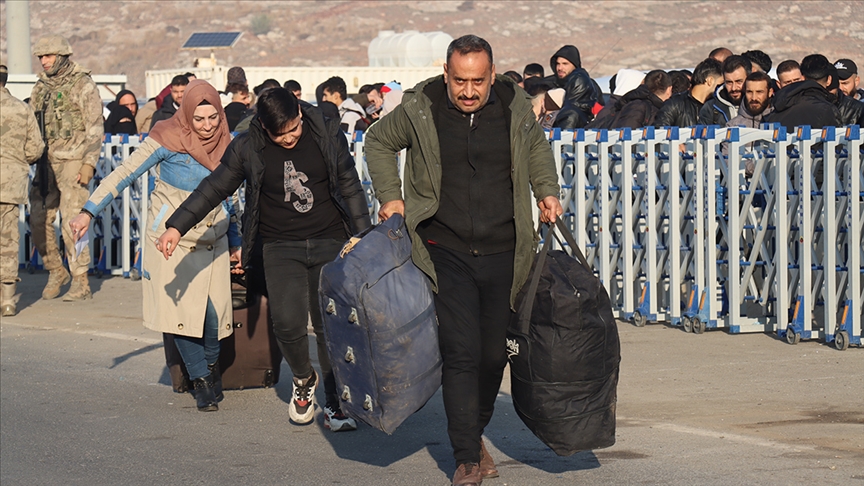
(204,395)
(216,379)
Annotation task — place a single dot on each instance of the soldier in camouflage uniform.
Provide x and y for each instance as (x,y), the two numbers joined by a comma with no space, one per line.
(20,145)
(73,128)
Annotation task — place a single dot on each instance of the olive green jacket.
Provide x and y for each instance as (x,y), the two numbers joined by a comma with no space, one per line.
(411,126)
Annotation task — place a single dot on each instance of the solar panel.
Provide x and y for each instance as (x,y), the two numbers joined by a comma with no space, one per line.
(212,40)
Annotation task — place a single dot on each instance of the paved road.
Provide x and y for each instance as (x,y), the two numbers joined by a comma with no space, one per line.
(84,399)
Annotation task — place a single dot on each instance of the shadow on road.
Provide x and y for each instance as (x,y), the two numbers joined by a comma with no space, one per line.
(146,349)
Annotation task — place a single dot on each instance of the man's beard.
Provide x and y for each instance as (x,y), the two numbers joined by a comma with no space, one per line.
(756,108)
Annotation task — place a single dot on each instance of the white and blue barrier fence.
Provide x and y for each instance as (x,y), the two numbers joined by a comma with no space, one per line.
(748,230)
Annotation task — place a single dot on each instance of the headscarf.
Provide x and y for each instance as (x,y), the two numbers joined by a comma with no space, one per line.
(119,112)
(176,133)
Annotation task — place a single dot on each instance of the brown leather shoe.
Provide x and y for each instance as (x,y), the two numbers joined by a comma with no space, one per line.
(487,464)
(467,475)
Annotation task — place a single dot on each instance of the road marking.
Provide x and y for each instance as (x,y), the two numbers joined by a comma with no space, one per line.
(109,335)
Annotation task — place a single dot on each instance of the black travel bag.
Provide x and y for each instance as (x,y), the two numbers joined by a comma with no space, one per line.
(380,326)
(563,348)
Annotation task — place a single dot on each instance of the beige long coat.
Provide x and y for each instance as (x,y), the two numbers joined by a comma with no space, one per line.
(176,290)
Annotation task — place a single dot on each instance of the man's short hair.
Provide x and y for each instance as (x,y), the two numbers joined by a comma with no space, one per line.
(787,65)
(657,81)
(536,85)
(276,107)
(235,88)
(680,81)
(267,84)
(190,75)
(759,58)
(516,77)
(4,75)
(709,68)
(336,85)
(533,69)
(816,67)
(468,44)
(758,76)
(180,80)
(719,50)
(734,63)
(292,85)
(367,88)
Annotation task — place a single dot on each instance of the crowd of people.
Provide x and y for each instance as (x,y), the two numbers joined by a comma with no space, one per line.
(473,146)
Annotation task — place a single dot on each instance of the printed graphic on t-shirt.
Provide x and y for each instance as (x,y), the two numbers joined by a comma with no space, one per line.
(293,185)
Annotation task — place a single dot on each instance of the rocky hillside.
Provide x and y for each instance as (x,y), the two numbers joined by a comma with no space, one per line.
(112,37)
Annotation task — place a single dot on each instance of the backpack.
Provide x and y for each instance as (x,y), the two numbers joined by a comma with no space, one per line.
(564,352)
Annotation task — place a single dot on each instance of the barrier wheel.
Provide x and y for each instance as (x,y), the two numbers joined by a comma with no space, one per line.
(98,273)
(841,340)
(792,337)
(31,269)
(134,274)
(698,325)
(687,323)
(639,320)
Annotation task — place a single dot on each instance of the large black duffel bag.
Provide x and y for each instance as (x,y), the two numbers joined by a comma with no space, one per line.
(564,352)
(381,328)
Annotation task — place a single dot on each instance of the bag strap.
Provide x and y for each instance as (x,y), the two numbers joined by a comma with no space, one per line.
(571,241)
(524,319)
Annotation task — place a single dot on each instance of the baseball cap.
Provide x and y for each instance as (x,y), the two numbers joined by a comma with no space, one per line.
(845,68)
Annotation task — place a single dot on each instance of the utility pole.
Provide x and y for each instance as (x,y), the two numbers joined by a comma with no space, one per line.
(18,37)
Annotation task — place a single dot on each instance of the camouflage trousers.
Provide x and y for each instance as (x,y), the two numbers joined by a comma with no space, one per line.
(9,236)
(72,198)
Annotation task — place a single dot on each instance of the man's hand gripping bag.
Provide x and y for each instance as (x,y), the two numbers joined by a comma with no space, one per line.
(564,352)
(380,326)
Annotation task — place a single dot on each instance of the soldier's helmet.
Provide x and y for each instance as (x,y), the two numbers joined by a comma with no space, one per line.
(53,44)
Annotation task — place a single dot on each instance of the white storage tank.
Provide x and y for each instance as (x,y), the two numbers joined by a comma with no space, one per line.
(408,49)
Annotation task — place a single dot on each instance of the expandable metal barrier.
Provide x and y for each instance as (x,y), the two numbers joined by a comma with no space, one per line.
(748,230)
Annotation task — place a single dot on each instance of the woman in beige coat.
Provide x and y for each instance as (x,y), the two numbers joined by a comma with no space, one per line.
(189,296)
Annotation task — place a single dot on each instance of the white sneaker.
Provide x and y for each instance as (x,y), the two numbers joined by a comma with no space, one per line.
(337,421)
(301,410)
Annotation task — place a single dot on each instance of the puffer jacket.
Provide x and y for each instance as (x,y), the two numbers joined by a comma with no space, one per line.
(243,160)
(719,109)
(580,91)
(411,125)
(681,110)
(804,103)
(851,110)
(637,109)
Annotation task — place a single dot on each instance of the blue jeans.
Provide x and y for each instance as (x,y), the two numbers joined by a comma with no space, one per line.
(197,353)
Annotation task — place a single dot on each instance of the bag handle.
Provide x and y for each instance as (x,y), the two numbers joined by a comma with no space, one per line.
(524,319)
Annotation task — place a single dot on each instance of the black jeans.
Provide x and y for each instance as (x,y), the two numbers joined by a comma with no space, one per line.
(473,305)
(292,270)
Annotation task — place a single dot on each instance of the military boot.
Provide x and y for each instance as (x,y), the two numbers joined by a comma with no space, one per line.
(58,278)
(80,289)
(7,299)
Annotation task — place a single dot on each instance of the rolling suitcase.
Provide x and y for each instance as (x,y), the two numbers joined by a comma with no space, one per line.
(380,326)
(564,353)
(249,358)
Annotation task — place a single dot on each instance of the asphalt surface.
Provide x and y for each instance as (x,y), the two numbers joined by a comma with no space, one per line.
(85,399)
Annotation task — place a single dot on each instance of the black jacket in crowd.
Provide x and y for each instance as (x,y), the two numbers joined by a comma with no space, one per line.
(681,110)
(243,160)
(637,109)
(580,90)
(717,110)
(606,116)
(804,103)
(167,111)
(851,110)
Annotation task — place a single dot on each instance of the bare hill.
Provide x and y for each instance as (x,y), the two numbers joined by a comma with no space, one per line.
(130,37)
